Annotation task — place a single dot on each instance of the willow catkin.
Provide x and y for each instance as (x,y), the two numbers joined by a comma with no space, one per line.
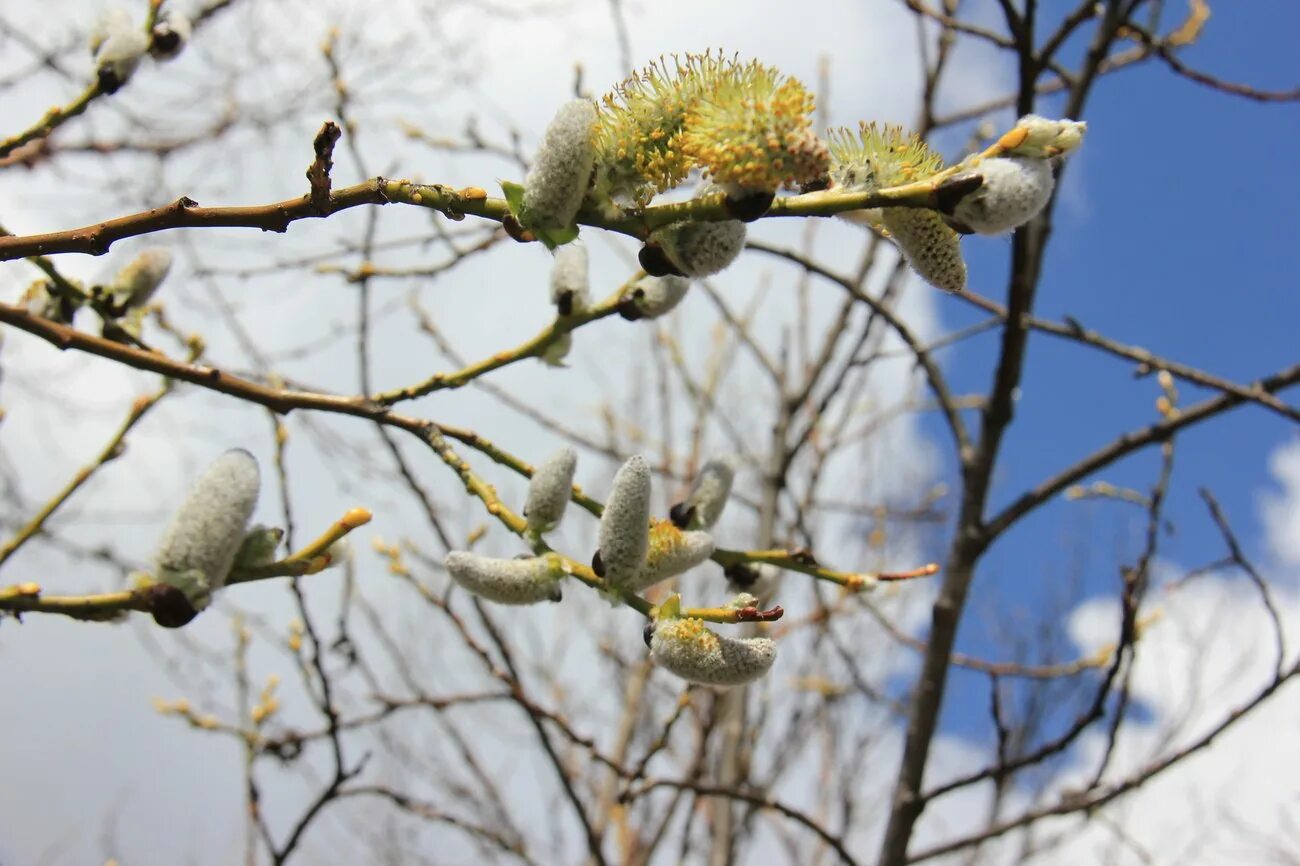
(507,581)
(692,651)
(207,531)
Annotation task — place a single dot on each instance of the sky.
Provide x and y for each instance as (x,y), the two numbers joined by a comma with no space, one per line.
(1173,231)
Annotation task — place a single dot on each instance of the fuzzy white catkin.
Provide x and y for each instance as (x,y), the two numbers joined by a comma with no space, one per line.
(554,354)
(114,20)
(709,494)
(549,491)
(1015,189)
(136,283)
(339,552)
(701,249)
(557,182)
(207,531)
(695,653)
(119,47)
(1048,138)
(625,523)
(507,581)
(671,552)
(657,296)
(570,284)
(931,248)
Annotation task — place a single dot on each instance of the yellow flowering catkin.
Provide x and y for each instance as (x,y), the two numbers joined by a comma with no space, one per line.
(877,157)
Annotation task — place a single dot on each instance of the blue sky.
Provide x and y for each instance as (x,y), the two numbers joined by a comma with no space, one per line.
(1175,232)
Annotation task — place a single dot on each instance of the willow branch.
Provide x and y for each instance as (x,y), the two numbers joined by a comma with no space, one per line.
(456,204)
(52,120)
(29,598)
(433,435)
(110,452)
(533,348)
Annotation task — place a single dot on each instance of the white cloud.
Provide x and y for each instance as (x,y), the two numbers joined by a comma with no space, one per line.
(1211,650)
(1282,511)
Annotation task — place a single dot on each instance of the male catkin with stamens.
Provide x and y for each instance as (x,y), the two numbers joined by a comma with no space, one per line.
(692,651)
(670,552)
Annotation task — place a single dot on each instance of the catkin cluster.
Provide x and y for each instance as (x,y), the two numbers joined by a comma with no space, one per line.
(746,127)
(1010,188)
(875,157)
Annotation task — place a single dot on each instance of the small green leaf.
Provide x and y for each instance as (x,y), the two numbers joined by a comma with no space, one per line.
(556,237)
(514,193)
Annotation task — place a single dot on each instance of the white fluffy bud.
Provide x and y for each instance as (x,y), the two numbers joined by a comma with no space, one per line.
(1015,189)
(653,297)
(207,531)
(700,249)
(339,552)
(118,46)
(136,283)
(258,547)
(708,497)
(625,523)
(689,649)
(930,247)
(570,285)
(507,581)
(670,552)
(115,20)
(561,172)
(549,491)
(554,354)
(1048,138)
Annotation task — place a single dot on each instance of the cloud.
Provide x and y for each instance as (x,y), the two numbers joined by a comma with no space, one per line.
(1281,512)
(1210,651)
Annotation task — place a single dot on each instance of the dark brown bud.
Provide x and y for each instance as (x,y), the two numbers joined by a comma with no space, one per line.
(516,231)
(649,632)
(803,556)
(564,304)
(597,565)
(749,206)
(166,41)
(952,190)
(741,576)
(168,605)
(654,261)
(681,514)
(627,307)
(108,80)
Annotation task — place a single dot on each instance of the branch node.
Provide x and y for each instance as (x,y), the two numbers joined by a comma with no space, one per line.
(318,173)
